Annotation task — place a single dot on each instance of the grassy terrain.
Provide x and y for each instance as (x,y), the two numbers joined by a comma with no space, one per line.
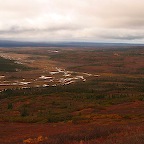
(104,109)
(54,104)
(118,61)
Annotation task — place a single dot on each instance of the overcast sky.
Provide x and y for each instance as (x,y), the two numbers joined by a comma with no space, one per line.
(72,20)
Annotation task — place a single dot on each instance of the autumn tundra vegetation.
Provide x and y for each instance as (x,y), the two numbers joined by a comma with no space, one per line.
(72,95)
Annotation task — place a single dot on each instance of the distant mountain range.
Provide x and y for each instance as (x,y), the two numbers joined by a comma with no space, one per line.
(7,43)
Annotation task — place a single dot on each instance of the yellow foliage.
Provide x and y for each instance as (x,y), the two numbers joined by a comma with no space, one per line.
(29,140)
(40,139)
(35,140)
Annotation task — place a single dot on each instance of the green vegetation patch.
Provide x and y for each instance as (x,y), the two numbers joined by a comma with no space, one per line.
(7,65)
(76,102)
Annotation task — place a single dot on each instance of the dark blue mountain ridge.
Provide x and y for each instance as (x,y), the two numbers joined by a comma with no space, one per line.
(9,43)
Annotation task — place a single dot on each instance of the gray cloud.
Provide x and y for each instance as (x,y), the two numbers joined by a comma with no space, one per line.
(17,29)
(90,20)
(124,36)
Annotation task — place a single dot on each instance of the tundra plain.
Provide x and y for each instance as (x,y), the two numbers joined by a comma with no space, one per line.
(72,95)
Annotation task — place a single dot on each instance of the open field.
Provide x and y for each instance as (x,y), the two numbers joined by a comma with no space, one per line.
(72,95)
